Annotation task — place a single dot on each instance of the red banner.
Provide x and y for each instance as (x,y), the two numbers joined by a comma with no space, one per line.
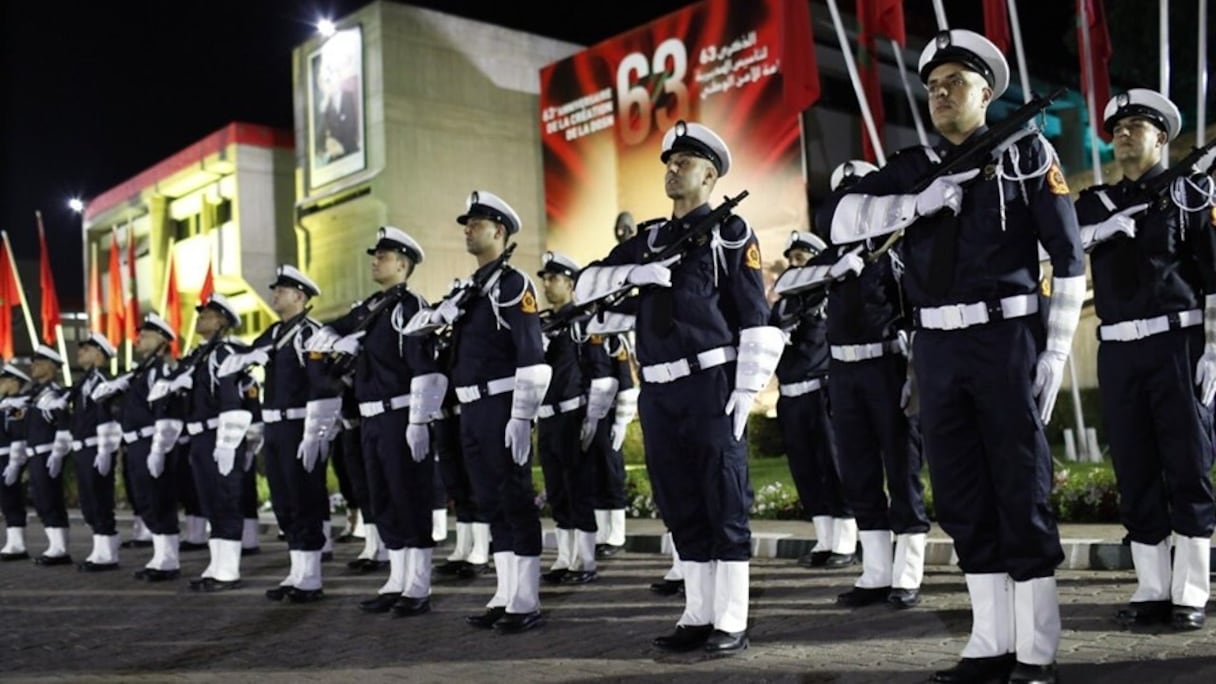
(115,305)
(51,318)
(10,296)
(173,302)
(722,63)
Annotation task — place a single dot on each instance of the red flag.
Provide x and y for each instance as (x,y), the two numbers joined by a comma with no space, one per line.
(115,306)
(173,302)
(46,282)
(94,296)
(10,296)
(996,23)
(1099,57)
(799,68)
(131,314)
(208,284)
(877,18)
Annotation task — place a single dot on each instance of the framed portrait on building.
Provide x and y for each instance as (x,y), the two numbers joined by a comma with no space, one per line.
(336,135)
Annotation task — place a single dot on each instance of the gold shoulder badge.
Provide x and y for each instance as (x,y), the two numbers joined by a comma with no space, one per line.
(527,303)
(1214,217)
(315,356)
(622,355)
(1055,180)
(752,257)
(596,339)
(1045,286)
(252,392)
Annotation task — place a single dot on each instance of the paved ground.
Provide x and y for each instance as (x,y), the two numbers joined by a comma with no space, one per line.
(57,624)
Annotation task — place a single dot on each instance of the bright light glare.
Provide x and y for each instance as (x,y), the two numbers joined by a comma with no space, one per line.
(326,28)
(76,205)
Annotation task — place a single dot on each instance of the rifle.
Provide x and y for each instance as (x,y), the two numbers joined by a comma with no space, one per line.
(978,151)
(694,235)
(289,327)
(798,305)
(1158,186)
(340,363)
(421,323)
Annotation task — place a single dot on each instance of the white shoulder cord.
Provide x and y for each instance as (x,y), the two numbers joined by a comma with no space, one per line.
(297,345)
(213,367)
(718,246)
(496,290)
(1015,157)
(1178,197)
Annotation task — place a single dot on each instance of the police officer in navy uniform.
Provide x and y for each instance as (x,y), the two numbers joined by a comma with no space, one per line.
(500,377)
(1154,274)
(48,443)
(12,489)
(470,556)
(580,394)
(217,420)
(399,389)
(706,349)
(297,488)
(804,417)
(96,437)
(988,368)
(610,499)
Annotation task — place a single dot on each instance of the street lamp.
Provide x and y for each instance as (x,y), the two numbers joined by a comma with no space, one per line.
(76,205)
(326,28)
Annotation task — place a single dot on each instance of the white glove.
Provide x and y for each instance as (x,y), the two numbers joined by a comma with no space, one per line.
(519,440)
(51,401)
(103,461)
(18,455)
(1205,375)
(250,454)
(418,437)
(225,459)
(235,363)
(654,273)
(255,437)
(626,409)
(908,399)
(160,388)
(1048,374)
(181,383)
(62,444)
(944,193)
(322,340)
(851,262)
(1121,222)
(618,435)
(586,433)
(349,344)
(14,403)
(10,472)
(739,407)
(320,423)
(447,312)
(109,388)
(156,463)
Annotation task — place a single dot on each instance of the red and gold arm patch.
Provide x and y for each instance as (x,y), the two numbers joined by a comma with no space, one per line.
(1055,180)
(527,303)
(751,258)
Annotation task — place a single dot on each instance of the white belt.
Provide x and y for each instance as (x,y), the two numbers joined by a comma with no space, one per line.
(797,389)
(43,448)
(674,370)
(4,451)
(864,352)
(77,444)
(471,393)
(275,415)
(550,410)
(1139,329)
(959,316)
(369,409)
(134,436)
(195,428)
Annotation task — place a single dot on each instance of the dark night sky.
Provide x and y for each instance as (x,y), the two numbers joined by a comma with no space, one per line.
(95,92)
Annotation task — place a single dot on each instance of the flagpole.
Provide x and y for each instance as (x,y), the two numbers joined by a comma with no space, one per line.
(903,76)
(25,307)
(1201,73)
(866,116)
(940,13)
(1015,27)
(1091,107)
(1163,40)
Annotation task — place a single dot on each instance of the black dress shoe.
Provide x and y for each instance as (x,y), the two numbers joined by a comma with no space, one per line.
(554,576)
(367,565)
(450,568)
(251,551)
(487,619)
(666,587)
(14,556)
(835,561)
(212,585)
(861,596)
(608,550)
(1144,613)
(903,598)
(344,538)
(192,546)
(1033,674)
(472,570)
(327,556)
(684,638)
(726,643)
(136,544)
(154,575)
(514,623)
(977,670)
(278,593)
(1186,618)
(382,603)
(90,566)
(304,595)
(53,560)
(814,559)
(409,607)
(582,577)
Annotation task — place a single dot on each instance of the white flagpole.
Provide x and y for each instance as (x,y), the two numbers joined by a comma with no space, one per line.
(1090,105)
(903,77)
(866,116)
(1201,72)
(940,13)
(1015,27)
(1163,40)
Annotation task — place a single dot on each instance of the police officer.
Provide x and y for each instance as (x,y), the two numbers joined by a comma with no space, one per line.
(580,394)
(988,368)
(12,491)
(298,491)
(48,442)
(705,350)
(96,437)
(803,415)
(399,389)
(1154,274)
(605,450)
(217,420)
(500,377)
(470,555)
